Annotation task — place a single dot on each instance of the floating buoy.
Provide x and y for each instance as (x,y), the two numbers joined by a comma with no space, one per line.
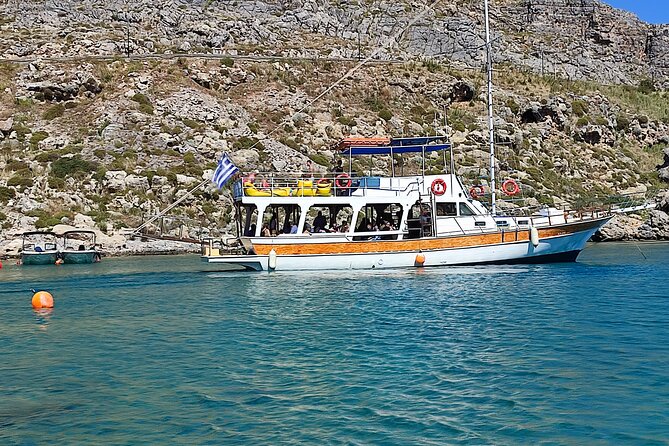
(534,236)
(271,259)
(420,259)
(42,299)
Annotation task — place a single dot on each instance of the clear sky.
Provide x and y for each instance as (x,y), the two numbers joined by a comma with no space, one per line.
(651,11)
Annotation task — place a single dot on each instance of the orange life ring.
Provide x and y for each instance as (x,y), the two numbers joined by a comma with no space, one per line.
(510,187)
(323,182)
(438,187)
(476,191)
(343,184)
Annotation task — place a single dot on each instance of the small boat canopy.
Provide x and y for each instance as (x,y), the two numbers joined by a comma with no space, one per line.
(395,149)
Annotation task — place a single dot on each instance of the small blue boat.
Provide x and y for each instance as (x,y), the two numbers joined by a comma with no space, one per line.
(39,248)
(79,247)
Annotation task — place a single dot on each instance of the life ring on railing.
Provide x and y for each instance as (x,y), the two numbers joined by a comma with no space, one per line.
(343,181)
(323,183)
(510,187)
(438,187)
(476,191)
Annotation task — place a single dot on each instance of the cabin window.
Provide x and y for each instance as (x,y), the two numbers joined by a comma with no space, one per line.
(328,218)
(502,223)
(379,217)
(465,210)
(523,222)
(248,219)
(446,210)
(280,219)
(479,224)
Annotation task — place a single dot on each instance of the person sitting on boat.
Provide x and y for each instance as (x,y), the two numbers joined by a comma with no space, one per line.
(293,228)
(273,224)
(265,232)
(344,227)
(307,228)
(251,231)
(319,222)
(309,175)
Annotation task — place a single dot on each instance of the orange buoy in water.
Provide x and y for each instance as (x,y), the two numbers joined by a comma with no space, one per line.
(42,299)
(420,259)
(59,261)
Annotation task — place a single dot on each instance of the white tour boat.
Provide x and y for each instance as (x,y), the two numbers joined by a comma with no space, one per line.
(286,223)
(342,222)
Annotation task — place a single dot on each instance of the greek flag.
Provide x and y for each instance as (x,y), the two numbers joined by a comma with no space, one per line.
(224,171)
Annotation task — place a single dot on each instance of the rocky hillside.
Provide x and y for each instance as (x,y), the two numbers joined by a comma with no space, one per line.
(89,136)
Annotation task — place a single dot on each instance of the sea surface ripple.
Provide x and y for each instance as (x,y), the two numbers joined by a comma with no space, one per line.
(157,350)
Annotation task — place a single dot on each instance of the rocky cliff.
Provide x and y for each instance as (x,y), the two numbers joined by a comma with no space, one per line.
(89,135)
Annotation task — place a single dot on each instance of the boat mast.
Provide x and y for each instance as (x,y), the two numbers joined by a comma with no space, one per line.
(491,125)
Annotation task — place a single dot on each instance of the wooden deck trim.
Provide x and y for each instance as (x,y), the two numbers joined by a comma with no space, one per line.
(429,244)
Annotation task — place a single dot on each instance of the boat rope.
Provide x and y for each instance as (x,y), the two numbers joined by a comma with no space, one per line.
(385,44)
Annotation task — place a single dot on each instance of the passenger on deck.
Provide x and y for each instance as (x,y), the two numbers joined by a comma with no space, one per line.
(293,229)
(319,222)
(273,224)
(265,231)
(251,231)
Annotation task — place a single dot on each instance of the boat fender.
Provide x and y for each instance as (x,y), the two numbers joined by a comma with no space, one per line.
(42,299)
(438,186)
(534,236)
(271,259)
(510,187)
(323,183)
(420,259)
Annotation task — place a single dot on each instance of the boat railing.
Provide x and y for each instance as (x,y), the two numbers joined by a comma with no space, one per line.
(325,185)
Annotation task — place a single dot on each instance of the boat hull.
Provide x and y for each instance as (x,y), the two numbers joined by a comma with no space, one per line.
(39,258)
(564,246)
(79,257)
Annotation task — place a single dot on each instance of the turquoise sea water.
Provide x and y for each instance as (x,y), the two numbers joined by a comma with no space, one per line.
(152,350)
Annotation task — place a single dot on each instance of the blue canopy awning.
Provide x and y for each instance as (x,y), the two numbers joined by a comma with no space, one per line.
(416,141)
(395,149)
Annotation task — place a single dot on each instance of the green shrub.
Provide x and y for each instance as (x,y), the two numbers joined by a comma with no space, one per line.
(227,62)
(579,107)
(385,114)
(192,123)
(37,137)
(6,194)
(15,165)
(20,181)
(600,120)
(583,121)
(458,126)
(646,86)
(53,112)
(75,167)
(56,183)
(144,103)
(643,119)
(622,123)
(319,159)
(3,216)
(245,142)
(189,158)
(513,106)
(347,120)
(290,142)
(46,157)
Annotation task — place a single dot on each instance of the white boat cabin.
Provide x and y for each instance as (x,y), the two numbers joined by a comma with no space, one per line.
(366,207)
